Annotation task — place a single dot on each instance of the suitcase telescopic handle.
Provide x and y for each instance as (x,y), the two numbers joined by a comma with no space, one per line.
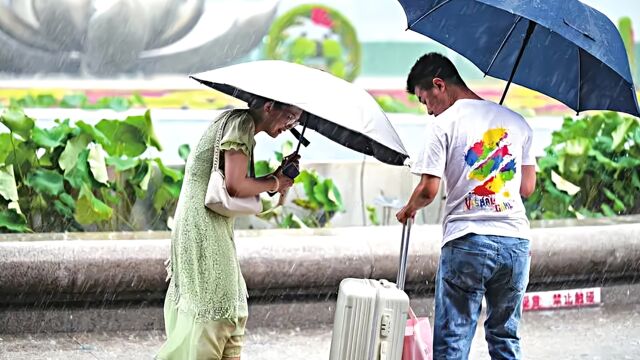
(404,254)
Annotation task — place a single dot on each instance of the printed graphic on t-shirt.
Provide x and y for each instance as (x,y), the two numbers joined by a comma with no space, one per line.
(493,164)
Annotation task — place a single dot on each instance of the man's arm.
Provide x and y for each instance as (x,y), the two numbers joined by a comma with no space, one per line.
(423,195)
(528,184)
(528,168)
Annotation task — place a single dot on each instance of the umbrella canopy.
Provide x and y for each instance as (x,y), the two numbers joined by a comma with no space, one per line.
(335,108)
(561,48)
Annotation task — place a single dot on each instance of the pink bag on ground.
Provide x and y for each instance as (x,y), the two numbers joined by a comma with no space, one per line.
(418,341)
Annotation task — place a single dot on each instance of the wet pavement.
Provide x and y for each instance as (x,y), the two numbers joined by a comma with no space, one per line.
(587,333)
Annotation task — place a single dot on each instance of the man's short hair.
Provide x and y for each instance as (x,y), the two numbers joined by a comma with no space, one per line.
(257,102)
(430,66)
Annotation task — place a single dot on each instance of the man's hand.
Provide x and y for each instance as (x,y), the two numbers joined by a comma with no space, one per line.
(405,214)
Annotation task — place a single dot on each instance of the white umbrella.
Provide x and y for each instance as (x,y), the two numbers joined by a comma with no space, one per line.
(337,109)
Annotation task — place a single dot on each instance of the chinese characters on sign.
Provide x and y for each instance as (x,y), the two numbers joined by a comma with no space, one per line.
(561,299)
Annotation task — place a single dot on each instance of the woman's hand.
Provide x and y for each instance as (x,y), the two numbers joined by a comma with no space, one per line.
(284,182)
(293,158)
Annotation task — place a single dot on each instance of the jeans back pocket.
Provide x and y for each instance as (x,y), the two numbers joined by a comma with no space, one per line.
(463,268)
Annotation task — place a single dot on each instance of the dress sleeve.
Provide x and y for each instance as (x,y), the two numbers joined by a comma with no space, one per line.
(239,133)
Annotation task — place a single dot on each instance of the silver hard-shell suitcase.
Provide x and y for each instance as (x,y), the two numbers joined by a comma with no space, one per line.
(371,315)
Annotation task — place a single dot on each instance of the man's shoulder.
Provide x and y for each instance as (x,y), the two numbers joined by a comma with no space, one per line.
(490,106)
(502,112)
(515,119)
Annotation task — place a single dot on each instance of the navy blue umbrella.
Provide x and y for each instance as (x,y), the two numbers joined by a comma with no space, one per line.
(561,48)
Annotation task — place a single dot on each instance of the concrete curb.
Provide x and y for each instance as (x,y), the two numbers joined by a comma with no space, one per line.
(295,313)
(305,262)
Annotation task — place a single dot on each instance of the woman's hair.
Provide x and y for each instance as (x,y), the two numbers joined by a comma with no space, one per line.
(257,102)
(430,66)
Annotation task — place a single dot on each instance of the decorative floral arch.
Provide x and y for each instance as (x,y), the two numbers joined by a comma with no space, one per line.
(341,56)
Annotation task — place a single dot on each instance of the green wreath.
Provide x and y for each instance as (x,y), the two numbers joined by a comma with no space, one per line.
(341,56)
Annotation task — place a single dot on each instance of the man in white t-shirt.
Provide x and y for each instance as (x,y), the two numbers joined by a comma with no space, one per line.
(482,151)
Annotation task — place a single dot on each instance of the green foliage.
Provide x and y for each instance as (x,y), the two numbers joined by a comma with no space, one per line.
(373,215)
(13,221)
(49,182)
(321,200)
(17,122)
(321,194)
(168,193)
(183,151)
(8,188)
(591,169)
(263,168)
(392,105)
(90,209)
(78,101)
(626,32)
(80,177)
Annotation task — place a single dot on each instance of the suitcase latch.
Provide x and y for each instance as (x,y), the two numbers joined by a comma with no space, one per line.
(385,326)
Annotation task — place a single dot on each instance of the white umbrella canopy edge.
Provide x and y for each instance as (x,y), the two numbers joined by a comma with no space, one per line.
(335,108)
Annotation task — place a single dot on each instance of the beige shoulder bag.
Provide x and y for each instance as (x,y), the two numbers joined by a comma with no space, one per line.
(218,198)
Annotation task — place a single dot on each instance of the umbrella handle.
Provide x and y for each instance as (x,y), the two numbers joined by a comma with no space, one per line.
(299,136)
(290,169)
(404,254)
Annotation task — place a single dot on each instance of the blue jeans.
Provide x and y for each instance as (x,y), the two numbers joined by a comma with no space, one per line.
(471,267)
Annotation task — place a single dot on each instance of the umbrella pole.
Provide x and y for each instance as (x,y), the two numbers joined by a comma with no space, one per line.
(530,28)
(283,196)
(301,137)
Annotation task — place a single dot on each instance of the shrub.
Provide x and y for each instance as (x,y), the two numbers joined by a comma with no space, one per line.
(591,169)
(74,177)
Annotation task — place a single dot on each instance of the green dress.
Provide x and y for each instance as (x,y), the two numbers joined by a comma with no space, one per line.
(206,282)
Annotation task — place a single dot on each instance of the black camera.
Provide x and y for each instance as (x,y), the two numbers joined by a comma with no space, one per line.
(291,170)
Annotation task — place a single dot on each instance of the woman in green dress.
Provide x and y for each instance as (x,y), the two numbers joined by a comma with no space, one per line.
(206,304)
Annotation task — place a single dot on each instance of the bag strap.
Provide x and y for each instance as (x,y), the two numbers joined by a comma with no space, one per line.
(411,314)
(217,144)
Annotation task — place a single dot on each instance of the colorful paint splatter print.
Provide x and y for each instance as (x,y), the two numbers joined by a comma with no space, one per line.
(493,164)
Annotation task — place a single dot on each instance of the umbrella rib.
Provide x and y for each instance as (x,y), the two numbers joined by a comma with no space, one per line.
(504,42)
(525,42)
(428,13)
(579,80)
